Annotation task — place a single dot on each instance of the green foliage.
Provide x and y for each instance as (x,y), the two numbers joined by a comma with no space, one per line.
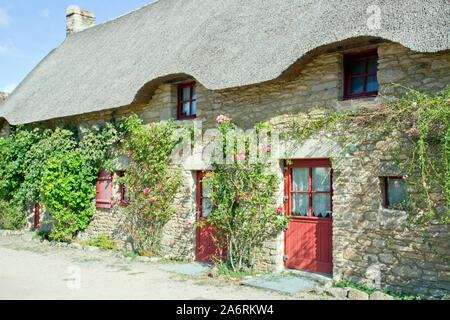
(54,168)
(151,181)
(102,241)
(245,213)
(68,190)
(11,217)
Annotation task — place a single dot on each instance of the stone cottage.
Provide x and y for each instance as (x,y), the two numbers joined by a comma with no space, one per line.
(257,61)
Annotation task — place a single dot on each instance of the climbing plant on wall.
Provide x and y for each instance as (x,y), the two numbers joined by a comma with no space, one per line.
(57,169)
(243,193)
(416,134)
(152,181)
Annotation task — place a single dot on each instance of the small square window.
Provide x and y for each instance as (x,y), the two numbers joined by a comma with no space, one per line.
(395,193)
(360,73)
(187,101)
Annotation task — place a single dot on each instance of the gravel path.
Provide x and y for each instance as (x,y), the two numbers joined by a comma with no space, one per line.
(33,270)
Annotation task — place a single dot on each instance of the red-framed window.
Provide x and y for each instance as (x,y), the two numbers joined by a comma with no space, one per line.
(308,188)
(187,100)
(204,203)
(104,190)
(395,192)
(360,73)
(37,218)
(123,192)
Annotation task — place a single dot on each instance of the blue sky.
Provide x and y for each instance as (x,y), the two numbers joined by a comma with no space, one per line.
(29,30)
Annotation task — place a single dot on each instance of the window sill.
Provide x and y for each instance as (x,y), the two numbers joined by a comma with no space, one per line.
(186,118)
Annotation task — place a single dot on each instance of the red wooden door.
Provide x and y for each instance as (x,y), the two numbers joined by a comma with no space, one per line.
(308,200)
(206,247)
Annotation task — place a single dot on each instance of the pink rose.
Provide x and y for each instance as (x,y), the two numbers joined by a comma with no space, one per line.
(189,224)
(222,118)
(414,104)
(147,190)
(279,210)
(152,200)
(248,197)
(238,202)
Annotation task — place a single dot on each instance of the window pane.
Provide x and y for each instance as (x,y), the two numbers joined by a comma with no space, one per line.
(321,205)
(321,179)
(372,83)
(193,107)
(194,92)
(300,204)
(125,195)
(206,208)
(396,192)
(300,179)
(372,65)
(206,190)
(186,94)
(185,109)
(358,67)
(356,85)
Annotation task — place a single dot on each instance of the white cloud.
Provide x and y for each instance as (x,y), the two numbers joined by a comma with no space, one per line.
(5,19)
(9,88)
(45,13)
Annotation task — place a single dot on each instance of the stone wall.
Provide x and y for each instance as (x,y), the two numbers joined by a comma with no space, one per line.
(361,252)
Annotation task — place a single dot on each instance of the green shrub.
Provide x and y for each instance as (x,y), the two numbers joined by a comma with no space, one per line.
(11,216)
(102,241)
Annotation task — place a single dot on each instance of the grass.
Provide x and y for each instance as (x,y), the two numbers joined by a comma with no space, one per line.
(225,270)
(102,241)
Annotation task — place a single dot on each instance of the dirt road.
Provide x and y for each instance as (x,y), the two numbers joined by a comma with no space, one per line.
(33,270)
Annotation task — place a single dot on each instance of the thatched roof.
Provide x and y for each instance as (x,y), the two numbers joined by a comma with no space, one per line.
(221,43)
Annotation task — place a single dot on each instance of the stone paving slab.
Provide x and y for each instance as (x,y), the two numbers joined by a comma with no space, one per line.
(191,269)
(282,283)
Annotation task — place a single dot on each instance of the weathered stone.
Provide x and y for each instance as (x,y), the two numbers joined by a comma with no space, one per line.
(339,293)
(355,294)
(378,295)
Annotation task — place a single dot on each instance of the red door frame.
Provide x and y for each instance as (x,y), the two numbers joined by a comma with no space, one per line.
(37,211)
(327,222)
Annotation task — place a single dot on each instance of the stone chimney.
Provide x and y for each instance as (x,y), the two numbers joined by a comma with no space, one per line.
(3,96)
(78,19)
